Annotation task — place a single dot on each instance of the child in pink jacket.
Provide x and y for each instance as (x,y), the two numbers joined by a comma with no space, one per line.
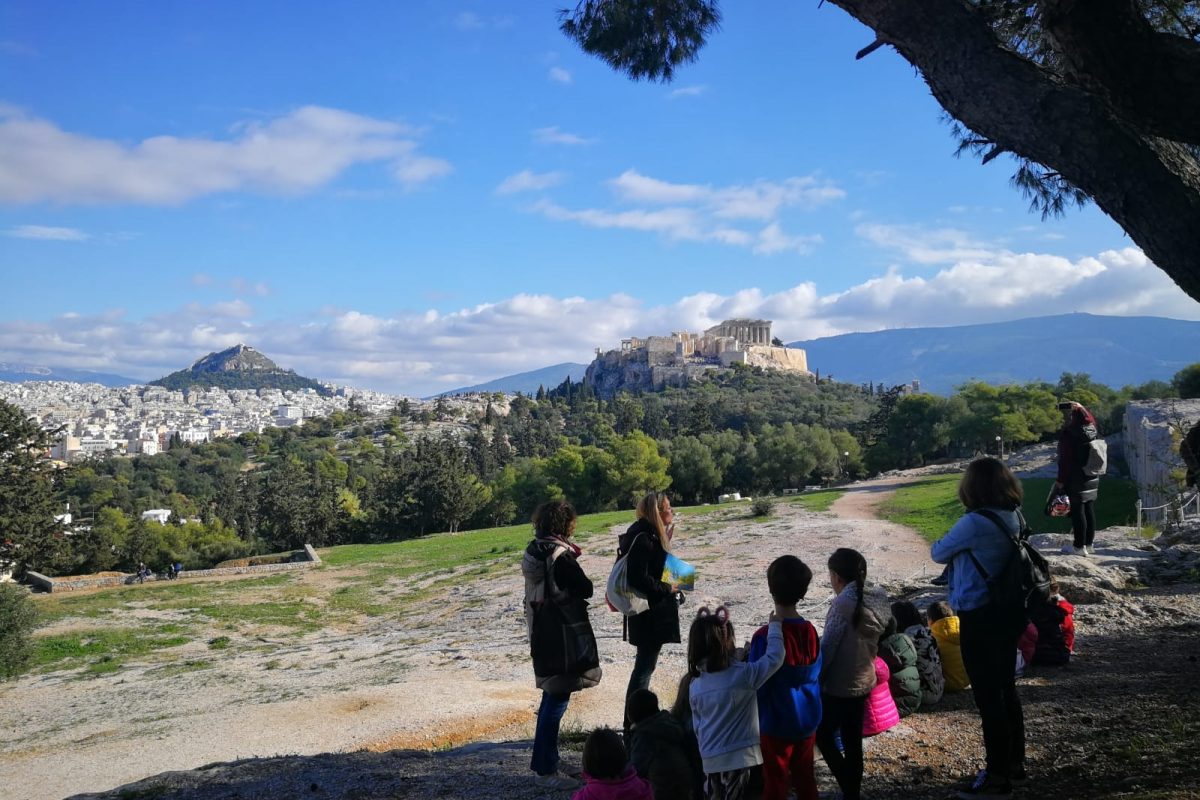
(607,770)
(880,713)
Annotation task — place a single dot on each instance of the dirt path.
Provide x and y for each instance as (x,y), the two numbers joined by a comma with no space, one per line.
(862,499)
(455,671)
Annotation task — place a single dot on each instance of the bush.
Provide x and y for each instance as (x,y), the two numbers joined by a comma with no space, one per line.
(762,506)
(18,617)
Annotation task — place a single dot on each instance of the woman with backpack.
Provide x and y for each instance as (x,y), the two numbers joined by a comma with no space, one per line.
(561,641)
(1074,446)
(980,545)
(647,543)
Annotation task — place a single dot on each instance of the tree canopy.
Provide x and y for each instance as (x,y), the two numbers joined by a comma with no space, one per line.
(1094,99)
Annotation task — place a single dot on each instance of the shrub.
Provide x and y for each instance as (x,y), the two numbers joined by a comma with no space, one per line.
(18,617)
(762,506)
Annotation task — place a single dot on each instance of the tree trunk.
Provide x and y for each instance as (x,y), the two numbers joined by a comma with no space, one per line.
(1150,187)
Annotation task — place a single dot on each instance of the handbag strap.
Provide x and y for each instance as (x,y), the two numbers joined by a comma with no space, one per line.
(994,518)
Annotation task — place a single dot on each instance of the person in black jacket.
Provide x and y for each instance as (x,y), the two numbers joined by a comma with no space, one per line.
(553,575)
(1074,444)
(647,542)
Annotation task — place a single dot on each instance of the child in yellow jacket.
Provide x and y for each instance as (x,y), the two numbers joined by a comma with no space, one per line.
(944,624)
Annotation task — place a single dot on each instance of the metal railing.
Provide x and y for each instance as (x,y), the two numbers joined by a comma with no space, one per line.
(1175,510)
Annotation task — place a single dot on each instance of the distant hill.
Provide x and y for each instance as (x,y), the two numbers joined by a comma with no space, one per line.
(528,382)
(18,373)
(239,367)
(1113,350)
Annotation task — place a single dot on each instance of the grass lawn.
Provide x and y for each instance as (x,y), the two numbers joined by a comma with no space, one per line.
(931,506)
(820,500)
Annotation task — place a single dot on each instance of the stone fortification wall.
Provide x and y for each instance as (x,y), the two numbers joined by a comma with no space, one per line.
(306,559)
(654,366)
(1152,432)
(792,359)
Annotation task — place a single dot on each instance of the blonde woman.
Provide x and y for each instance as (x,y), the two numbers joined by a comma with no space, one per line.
(647,542)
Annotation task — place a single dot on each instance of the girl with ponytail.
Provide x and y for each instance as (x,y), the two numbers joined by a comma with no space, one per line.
(849,645)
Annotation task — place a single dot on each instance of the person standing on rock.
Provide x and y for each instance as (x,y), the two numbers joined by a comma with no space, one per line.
(1074,441)
(977,546)
(647,542)
(561,641)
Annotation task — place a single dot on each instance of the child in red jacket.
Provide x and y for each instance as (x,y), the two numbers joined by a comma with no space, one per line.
(1055,623)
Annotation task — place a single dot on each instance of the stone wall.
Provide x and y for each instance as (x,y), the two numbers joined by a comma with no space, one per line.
(1152,432)
(73,583)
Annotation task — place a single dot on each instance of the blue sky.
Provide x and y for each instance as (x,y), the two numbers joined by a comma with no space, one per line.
(415,196)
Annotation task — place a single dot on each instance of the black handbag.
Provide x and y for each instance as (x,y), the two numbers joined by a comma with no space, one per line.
(563,642)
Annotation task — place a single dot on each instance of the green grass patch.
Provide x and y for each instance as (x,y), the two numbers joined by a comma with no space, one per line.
(105,648)
(930,506)
(219,643)
(819,500)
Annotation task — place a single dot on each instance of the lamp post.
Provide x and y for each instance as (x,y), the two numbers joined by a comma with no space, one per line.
(1000,447)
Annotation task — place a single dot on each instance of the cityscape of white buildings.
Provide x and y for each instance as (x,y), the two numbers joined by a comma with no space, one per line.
(141,420)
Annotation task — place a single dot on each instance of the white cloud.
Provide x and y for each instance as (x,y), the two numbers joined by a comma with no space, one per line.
(923,245)
(559,75)
(553,135)
(704,213)
(528,181)
(293,154)
(689,91)
(47,233)
(424,352)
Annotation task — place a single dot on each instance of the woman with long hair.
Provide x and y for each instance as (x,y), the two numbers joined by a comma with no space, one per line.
(553,577)
(647,543)
(1074,443)
(980,545)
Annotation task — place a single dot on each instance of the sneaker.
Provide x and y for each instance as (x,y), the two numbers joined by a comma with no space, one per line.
(1072,550)
(556,780)
(1088,550)
(985,785)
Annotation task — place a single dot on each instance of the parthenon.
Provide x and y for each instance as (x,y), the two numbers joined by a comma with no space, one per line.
(745,331)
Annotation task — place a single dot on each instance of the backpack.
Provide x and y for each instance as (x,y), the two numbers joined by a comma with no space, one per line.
(619,594)
(1097,458)
(1024,580)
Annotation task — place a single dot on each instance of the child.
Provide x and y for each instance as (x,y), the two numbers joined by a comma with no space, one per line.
(681,710)
(944,625)
(849,645)
(723,701)
(789,703)
(657,747)
(1055,622)
(929,660)
(1025,647)
(607,771)
(880,714)
(900,655)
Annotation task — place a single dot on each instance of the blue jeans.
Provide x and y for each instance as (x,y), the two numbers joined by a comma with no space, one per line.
(545,736)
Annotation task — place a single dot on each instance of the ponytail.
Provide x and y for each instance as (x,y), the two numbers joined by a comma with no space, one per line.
(851,567)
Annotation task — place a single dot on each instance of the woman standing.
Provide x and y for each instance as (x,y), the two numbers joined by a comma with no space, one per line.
(553,577)
(647,542)
(977,545)
(1074,443)
(849,645)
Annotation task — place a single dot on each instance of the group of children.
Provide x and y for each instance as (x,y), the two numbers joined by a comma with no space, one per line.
(771,702)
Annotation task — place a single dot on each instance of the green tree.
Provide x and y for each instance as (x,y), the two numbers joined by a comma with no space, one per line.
(785,459)
(100,548)
(694,473)
(1023,78)
(18,618)
(1187,381)
(29,536)
(640,467)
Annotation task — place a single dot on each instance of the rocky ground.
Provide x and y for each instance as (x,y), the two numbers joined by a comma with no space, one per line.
(1120,721)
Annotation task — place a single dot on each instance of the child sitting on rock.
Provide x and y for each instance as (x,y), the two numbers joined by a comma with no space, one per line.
(1055,622)
(880,713)
(900,655)
(929,660)
(658,747)
(944,624)
(608,772)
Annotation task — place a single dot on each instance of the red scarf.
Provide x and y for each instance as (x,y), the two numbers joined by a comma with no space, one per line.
(564,541)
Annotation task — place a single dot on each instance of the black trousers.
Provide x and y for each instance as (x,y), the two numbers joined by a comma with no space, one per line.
(1083,521)
(843,717)
(989,648)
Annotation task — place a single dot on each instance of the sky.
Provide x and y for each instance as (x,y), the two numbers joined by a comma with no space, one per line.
(416,196)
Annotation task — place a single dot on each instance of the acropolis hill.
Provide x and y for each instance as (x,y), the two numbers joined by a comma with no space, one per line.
(659,361)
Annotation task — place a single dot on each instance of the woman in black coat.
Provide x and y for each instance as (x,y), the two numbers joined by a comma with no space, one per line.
(1074,444)
(647,542)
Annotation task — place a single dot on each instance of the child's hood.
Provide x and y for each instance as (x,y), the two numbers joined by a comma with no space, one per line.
(626,787)
(945,628)
(877,611)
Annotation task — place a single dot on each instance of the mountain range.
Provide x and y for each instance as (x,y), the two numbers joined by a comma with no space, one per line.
(1116,351)
(528,382)
(19,373)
